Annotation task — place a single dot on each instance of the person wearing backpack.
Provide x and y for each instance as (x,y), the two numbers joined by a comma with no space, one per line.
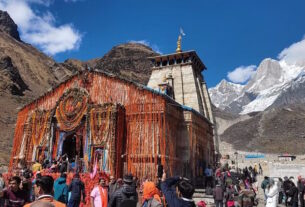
(126,196)
(151,195)
(184,195)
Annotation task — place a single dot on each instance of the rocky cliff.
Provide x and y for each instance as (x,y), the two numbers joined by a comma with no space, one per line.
(277,130)
(127,60)
(8,26)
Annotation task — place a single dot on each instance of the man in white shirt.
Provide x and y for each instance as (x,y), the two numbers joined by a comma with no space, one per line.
(99,195)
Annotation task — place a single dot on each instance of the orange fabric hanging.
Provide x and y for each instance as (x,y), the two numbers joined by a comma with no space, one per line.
(104,196)
(40,121)
(149,134)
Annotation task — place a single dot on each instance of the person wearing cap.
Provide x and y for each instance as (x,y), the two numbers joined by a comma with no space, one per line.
(183,196)
(126,195)
(99,194)
(43,190)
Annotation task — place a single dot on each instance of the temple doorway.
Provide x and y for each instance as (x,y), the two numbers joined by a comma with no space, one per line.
(72,146)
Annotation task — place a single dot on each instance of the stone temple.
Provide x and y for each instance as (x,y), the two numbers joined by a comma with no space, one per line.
(106,123)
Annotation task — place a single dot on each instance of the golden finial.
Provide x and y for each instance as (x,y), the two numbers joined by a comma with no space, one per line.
(179,44)
(179,41)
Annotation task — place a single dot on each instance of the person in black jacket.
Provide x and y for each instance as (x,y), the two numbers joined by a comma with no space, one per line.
(77,189)
(126,196)
(185,191)
(293,193)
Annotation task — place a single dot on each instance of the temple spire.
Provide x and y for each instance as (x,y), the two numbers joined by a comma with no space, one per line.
(178,50)
(179,44)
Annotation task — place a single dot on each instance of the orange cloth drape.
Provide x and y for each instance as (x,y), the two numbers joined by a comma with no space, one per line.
(150,191)
(104,196)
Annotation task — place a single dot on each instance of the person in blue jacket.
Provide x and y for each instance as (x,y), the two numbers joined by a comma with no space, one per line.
(181,195)
(61,189)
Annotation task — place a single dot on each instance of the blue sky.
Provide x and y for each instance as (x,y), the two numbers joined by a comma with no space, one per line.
(229,36)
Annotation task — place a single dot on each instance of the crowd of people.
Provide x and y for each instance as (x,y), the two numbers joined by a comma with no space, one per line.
(37,188)
(229,187)
(284,191)
(235,187)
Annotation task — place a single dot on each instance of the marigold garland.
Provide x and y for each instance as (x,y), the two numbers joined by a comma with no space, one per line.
(148,137)
(39,122)
(71,109)
(99,128)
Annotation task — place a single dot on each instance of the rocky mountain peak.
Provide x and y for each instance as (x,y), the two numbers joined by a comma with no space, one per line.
(268,74)
(8,25)
(130,50)
(224,86)
(225,89)
(129,60)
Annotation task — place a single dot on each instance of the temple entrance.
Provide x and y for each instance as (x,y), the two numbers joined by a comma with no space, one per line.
(73,146)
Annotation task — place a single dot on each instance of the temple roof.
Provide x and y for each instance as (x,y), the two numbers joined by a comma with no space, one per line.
(138,85)
(187,57)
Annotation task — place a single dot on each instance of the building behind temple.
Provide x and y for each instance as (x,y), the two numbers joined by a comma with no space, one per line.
(121,126)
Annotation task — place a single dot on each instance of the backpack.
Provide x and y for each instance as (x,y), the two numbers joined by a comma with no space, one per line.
(128,201)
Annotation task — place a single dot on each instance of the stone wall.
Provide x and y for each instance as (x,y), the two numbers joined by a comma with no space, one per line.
(187,91)
(281,170)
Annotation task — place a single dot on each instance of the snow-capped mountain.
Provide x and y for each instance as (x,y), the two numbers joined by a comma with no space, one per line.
(224,93)
(275,83)
(268,74)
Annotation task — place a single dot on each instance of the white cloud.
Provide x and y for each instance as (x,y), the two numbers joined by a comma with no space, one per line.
(148,44)
(295,53)
(40,30)
(43,2)
(242,74)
